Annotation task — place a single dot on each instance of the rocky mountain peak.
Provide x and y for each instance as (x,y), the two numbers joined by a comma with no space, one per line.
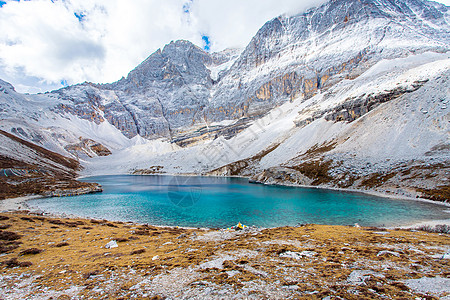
(6,86)
(179,63)
(181,87)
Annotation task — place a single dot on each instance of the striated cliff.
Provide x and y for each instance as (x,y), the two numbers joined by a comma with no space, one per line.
(290,57)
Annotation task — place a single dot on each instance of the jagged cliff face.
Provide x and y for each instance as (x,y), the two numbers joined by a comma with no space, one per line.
(295,56)
(168,89)
(181,87)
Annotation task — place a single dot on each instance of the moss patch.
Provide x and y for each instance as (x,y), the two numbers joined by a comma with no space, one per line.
(317,170)
(440,193)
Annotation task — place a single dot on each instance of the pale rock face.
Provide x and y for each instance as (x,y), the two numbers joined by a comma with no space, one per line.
(296,56)
(182,86)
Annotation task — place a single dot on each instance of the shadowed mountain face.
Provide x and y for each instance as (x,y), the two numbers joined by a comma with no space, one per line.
(26,168)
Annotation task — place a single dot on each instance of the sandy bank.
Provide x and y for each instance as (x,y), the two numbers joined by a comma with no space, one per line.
(14,204)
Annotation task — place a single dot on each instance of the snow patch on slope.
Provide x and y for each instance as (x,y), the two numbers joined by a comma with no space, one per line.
(398,129)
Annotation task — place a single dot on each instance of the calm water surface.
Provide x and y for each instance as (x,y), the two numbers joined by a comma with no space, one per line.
(222,202)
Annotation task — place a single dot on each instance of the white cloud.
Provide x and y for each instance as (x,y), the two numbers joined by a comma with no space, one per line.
(43,42)
(233,23)
(45,39)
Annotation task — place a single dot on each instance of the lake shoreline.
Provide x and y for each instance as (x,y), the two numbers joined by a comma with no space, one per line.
(347,190)
(20,203)
(17,204)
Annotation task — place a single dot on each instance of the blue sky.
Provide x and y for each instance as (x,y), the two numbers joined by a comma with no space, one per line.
(47,44)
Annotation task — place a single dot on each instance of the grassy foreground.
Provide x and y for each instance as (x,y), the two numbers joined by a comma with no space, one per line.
(51,258)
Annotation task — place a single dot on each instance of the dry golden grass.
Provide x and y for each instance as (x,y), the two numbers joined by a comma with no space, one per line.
(317,170)
(440,193)
(68,258)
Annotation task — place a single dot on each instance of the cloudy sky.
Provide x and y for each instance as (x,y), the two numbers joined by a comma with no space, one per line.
(47,44)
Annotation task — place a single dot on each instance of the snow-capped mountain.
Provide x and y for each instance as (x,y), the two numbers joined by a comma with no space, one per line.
(290,57)
(340,95)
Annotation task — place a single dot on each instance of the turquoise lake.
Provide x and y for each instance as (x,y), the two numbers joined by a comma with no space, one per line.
(222,202)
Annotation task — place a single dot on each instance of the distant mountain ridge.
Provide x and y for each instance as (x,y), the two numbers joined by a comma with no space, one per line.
(339,95)
(289,57)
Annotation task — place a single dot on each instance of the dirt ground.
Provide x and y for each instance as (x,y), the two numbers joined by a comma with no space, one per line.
(54,258)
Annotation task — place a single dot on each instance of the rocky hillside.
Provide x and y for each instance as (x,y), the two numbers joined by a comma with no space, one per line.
(29,169)
(350,94)
(386,130)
